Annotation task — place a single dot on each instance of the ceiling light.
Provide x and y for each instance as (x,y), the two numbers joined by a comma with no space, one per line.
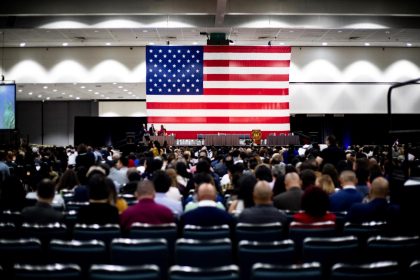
(63,93)
(55,90)
(151,43)
(125,89)
(71,95)
(339,31)
(114,83)
(45,87)
(107,98)
(130,92)
(40,96)
(65,44)
(409,44)
(120,86)
(367,44)
(145,31)
(82,87)
(324,43)
(281,44)
(48,98)
(108,44)
(30,93)
(194,43)
(102,95)
(96,31)
(96,93)
(77,98)
(22,44)
(90,90)
(20,90)
(291,31)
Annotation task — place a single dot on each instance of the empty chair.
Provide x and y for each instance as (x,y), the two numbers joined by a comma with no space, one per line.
(101,232)
(22,250)
(403,249)
(369,271)
(7,230)
(82,253)
(51,271)
(45,232)
(365,230)
(140,252)
(211,232)
(306,271)
(14,217)
(330,250)
(203,253)
(340,220)
(76,205)
(70,218)
(414,270)
(230,272)
(299,231)
(120,272)
(259,232)
(167,231)
(252,252)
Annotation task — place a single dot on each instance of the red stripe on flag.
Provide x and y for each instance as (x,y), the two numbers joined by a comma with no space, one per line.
(217,106)
(221,120)
(246,91)
(193,134)
(247,49)
(246,63)
(246,77)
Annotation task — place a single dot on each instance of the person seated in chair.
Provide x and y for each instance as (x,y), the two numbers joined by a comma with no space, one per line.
(43,212)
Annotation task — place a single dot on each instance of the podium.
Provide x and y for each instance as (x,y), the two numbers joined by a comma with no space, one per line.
(256,136)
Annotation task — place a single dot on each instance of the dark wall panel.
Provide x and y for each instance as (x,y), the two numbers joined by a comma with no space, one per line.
(29,120)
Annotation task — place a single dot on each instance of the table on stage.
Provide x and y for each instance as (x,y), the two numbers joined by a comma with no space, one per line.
(170,139)
(282,140)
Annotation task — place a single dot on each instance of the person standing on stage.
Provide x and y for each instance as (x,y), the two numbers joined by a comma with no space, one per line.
(143,132)
(162,131)
(152,130)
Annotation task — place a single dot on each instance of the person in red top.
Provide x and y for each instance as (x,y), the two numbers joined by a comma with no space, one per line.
(146,210)
(315,203)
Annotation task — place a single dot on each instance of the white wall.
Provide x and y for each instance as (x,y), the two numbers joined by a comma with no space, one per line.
(122,109)
(323,80)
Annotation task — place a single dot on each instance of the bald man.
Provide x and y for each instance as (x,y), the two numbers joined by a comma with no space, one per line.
(207,213)
(291,198)
(146,210)
(348,195)
(378,209)
(263,211)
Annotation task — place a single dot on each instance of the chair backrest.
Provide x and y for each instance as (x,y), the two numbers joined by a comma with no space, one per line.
(129,198)
(76,205)
(259,232)
(7,230)
(167,231)
(369,271)
(365,230)
(70,218)
(24,250)
(126,251)
(83,253)
(230,272)
(101,232)
(275,252)
(414,270)
(14,217)
(306,271)
(206,233)
(67,196)
(45,232)
(203,253)
(330,250)
(120,272)
(403,249)
(52,271)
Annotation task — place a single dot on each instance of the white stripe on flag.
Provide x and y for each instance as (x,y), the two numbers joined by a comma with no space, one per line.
(225,127)
(245,56)
(246,70)
(244,84)
(218,98)
(217,113)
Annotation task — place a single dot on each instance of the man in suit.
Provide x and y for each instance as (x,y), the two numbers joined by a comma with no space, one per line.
(207,213)
(263,211)
(378,209)
(332,154)
(42,212)
(291,198)
(348,195)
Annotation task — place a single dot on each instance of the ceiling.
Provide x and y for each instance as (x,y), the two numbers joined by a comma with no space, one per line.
(109,23)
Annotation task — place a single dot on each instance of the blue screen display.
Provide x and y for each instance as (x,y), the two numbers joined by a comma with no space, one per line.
(7,106)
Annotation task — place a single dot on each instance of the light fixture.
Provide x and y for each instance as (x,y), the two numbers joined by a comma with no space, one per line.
(77,98)
(120,86)
(409,44)
(151,43)
(71,95)
(82,87)
(45,87)
(125,89)
(114,83)
(65,44)
(40,96)
(324,43)
(30,93)
(63,93)
(96,93)
(19,90)
(367,44)
(145,31)
(108,44)
(281,43)
(22,44)
(90,90)
(48,98)
(194,43)
(55,90)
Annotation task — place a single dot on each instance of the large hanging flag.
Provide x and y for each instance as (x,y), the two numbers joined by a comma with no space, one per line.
(218,89)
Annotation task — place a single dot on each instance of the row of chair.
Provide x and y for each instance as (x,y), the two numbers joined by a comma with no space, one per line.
(259,271)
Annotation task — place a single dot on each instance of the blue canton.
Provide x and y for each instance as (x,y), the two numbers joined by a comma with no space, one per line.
(174,70)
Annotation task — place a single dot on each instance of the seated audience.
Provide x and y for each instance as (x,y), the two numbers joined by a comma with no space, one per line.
(348,195)
(263,211)
(173,192)
(146,210)
(43,212)
(378,209)
(207,213)
(99,210)
(118,172)
(315,203)
(162,183)
(326,183)
(292,197)
(244,189)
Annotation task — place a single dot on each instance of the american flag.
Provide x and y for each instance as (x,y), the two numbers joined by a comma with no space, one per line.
(218,89)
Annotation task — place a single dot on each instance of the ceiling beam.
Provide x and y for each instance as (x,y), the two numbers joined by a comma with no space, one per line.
(220,12)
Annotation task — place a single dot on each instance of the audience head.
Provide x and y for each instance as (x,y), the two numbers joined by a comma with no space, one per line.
(133,175)
(206,191)
(263,172)
(201,178)
(203,166)
(348,177)
(145,189)
(98,190)
(315,202)
(292,179)
(308,178)
(245,189)
(326,183)
(379,188)
(161,181)
(46,190)
(331,140)
(262,193)
(68,180)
